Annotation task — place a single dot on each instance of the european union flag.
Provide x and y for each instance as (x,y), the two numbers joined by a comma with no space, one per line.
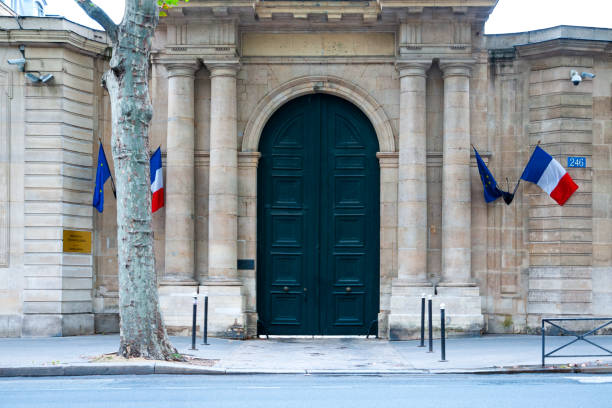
(491,191)
(102,174)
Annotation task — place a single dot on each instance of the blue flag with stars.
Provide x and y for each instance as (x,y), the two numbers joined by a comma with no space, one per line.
(102,174)
(491,191)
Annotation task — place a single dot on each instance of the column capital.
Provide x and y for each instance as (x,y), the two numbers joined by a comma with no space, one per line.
(218,68)
(457,67)
(412,67)
(181,67)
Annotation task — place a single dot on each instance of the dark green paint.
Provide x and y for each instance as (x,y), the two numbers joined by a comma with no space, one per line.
(318,219)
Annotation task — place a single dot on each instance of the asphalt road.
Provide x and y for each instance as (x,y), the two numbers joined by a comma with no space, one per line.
(294,391)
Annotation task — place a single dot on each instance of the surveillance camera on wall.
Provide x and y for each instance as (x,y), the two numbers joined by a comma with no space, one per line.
(38,78)
(20,62)
(32,77)
(46,78)
(576,78)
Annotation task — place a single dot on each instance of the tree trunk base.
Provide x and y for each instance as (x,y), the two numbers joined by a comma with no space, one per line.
(159,350)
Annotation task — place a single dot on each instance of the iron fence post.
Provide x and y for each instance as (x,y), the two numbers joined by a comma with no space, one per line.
(430,320)
(543,343)
(205,334)
(442,334)
(193,323)
(422,321)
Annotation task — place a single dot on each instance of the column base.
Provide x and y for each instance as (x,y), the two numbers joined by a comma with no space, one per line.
(226,309)
(177,281)
(176,304)
(463,310)
(57,325)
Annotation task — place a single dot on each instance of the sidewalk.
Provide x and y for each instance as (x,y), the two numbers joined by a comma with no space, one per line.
(84,355)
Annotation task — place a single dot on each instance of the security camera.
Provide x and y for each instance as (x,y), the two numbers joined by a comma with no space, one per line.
(46,78)
(575,78)
(32,77)
(20,62)
(16,61)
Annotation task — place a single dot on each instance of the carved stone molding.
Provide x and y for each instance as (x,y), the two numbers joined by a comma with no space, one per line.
(315,84)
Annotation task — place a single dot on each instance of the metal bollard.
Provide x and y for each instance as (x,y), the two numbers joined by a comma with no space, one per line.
(543,344)
(205,334)
(193,323)
(429,307)
(422,321)
(442,334)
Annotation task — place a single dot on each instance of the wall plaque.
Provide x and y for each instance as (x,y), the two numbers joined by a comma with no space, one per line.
(77,241)
(246,264)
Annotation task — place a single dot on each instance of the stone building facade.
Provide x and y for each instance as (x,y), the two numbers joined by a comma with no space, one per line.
(318,171)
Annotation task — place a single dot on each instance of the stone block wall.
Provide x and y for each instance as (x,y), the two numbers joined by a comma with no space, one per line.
(601,275)
(59,123)
(11,196)
(560,238)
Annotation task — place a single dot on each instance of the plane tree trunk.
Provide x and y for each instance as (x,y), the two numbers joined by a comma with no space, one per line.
(142,331)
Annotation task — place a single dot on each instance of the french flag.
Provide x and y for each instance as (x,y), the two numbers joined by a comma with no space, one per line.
(547,173)
(157,181)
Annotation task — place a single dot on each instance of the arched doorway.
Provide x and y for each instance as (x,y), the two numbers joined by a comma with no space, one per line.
(318,219)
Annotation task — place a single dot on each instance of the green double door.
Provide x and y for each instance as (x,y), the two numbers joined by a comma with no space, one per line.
(318,219)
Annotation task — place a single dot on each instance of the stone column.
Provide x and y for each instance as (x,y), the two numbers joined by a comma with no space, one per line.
(412,187)
(180,176)
(456,204)
(223,174)
(223,285)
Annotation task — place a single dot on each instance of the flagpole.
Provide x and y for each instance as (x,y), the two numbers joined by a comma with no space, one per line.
(496,184)
(519,180)
(109,172)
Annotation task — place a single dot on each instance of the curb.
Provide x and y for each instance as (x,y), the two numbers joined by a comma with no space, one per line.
(87,369)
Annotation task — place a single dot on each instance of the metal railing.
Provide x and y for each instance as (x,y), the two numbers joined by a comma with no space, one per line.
(578,336)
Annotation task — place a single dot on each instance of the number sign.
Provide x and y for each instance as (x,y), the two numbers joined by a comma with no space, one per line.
(576,161)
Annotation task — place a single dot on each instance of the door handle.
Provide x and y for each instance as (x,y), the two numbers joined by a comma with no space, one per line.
(305,294)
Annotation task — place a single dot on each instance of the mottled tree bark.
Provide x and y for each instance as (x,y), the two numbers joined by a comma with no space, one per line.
(142,331)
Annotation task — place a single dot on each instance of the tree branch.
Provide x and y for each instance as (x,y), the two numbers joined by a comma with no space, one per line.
(99,16)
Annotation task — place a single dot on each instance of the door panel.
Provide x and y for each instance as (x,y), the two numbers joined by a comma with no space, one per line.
(350,197)
(318,219)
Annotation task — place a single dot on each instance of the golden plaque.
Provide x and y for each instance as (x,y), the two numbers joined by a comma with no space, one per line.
(77,241)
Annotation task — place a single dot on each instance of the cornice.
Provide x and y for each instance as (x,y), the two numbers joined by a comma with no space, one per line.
(45,31)
(47,37)
(564,46)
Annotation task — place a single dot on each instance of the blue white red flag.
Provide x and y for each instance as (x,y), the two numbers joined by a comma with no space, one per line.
(157,181)
(548,173)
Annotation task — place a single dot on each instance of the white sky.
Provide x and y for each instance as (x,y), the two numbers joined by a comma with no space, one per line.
(508,17)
